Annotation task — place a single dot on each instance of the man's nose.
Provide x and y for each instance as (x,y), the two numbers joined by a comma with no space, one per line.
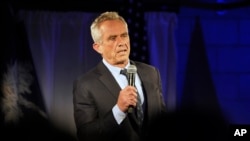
(121,41)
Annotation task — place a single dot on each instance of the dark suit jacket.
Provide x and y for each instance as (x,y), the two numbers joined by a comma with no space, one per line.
(96,92)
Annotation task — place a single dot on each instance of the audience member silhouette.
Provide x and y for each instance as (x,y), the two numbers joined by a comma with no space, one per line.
(190,124)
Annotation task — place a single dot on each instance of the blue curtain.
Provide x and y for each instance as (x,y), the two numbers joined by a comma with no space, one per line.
(61,48)
(162,51)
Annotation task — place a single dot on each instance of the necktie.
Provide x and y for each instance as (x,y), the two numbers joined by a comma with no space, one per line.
(139,110)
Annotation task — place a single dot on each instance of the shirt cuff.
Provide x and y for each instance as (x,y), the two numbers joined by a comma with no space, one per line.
(118,114)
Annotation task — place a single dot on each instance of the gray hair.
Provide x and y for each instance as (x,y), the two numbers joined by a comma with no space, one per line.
(94,28)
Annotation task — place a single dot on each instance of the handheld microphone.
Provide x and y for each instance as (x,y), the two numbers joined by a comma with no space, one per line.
(131,71)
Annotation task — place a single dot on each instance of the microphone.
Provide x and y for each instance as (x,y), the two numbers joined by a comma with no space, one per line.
(131,71)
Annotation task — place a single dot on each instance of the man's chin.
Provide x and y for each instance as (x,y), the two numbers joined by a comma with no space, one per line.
(122,61)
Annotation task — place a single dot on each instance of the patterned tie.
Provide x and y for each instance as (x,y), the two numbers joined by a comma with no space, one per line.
(139,110)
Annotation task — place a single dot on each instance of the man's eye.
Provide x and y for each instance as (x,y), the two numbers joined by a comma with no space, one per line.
(112,38)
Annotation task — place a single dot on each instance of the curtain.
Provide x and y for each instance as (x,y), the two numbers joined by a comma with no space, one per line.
(61,47)
(162,51)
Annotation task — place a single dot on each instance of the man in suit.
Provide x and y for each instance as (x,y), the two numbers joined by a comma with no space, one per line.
(102,96)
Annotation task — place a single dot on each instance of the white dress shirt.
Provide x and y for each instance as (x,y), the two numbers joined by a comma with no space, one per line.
(123,82)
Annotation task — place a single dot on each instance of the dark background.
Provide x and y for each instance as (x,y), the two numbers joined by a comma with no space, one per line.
(102,5)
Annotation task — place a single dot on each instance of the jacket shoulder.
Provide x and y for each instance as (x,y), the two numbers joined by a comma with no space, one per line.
(144,65)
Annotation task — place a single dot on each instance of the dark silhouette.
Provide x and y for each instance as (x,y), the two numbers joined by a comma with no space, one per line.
(189,124)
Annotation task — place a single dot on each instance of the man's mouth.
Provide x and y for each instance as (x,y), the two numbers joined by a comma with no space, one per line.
(122,51)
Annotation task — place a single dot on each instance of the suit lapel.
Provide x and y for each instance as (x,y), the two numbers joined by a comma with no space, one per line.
(108,80)
(146,86)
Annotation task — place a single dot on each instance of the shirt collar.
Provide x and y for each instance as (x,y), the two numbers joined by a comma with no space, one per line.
(114,70)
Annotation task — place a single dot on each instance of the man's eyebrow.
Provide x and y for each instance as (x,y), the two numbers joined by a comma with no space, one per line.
(126,33)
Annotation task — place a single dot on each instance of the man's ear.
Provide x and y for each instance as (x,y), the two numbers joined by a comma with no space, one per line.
(97,48)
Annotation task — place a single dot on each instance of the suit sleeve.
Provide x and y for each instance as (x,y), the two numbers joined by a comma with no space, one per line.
(90,126)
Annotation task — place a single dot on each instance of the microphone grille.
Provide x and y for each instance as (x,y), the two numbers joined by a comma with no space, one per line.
(132,69)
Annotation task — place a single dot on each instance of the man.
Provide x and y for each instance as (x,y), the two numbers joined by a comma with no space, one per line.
(102,96)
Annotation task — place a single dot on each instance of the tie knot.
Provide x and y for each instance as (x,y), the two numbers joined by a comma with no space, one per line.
(124,72)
